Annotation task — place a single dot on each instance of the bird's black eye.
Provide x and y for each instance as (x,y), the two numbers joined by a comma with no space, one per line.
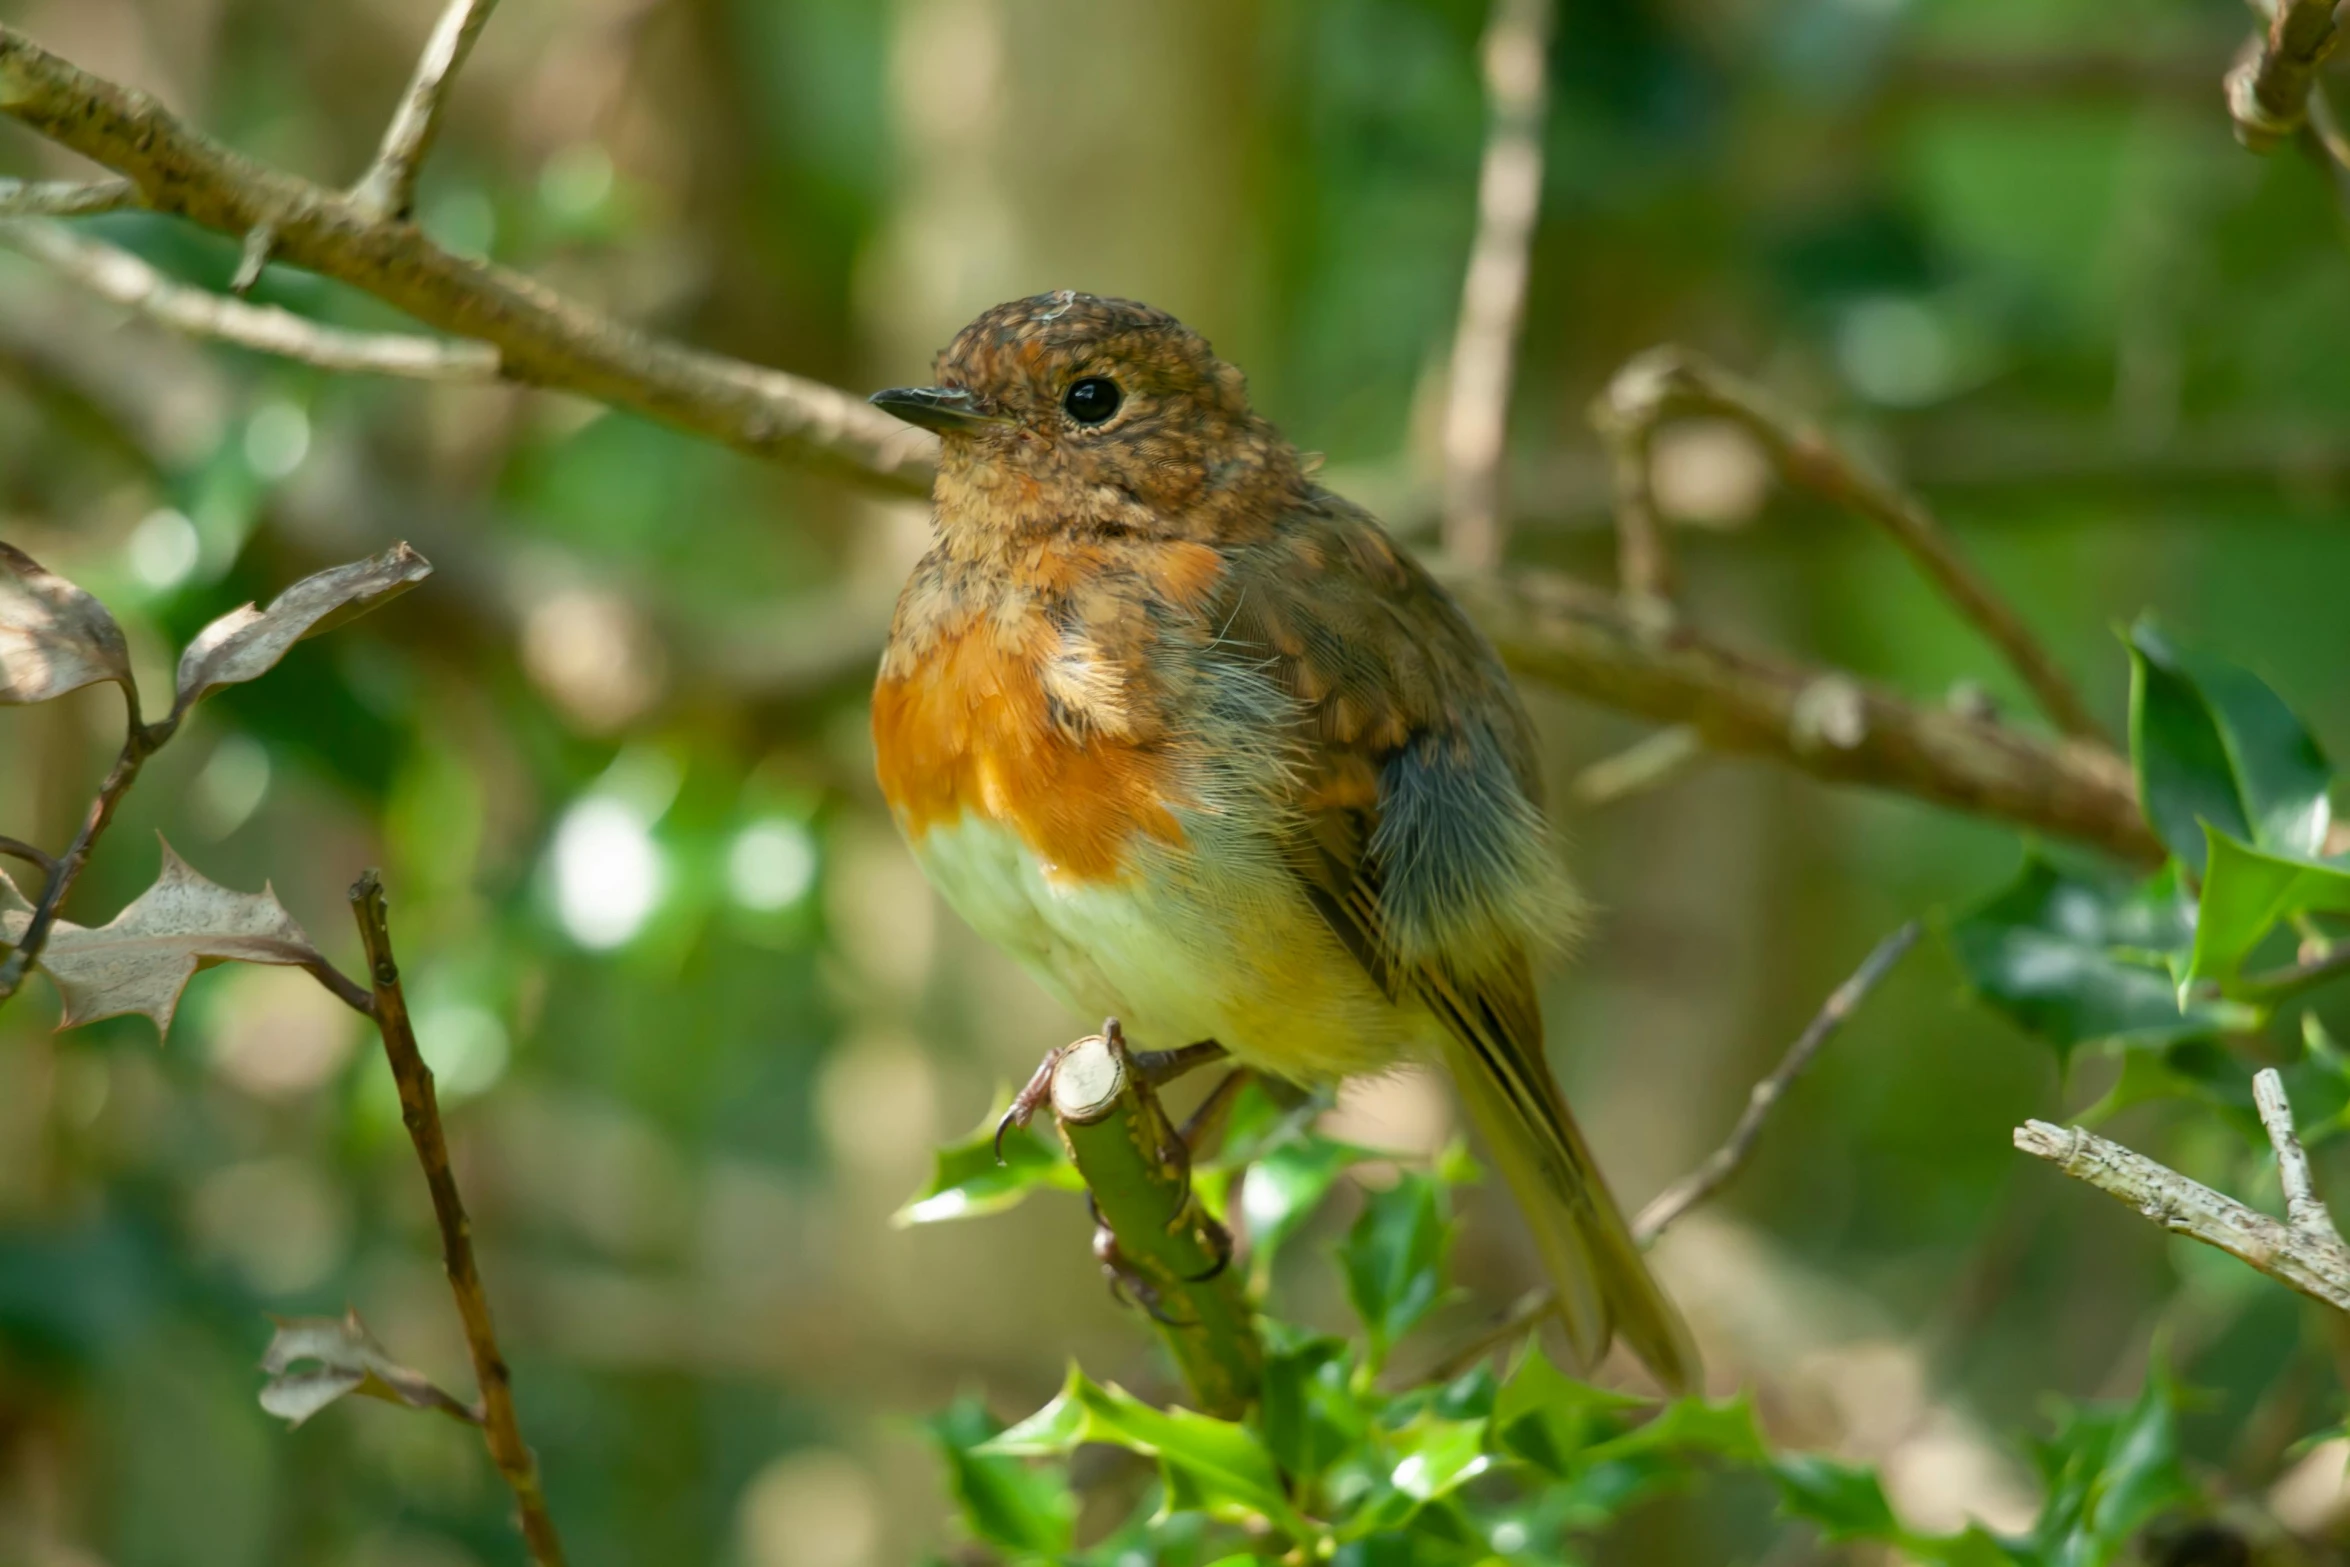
(1092,400)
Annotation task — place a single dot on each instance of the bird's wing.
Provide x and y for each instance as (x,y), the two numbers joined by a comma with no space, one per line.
(1415,827)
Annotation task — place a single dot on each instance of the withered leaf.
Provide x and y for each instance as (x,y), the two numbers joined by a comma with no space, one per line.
(54,638)
(142,959)
(246,643)
(336,1356)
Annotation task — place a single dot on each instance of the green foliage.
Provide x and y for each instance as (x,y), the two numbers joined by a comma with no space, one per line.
(2239,791)
(1334,1465)
(978,1176)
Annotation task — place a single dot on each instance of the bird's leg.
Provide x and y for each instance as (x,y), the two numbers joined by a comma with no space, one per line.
(1158,1068)
(1129,1285)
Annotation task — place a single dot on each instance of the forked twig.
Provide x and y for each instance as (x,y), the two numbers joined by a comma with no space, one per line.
(1665,384)
(2304,1252)
(388,189)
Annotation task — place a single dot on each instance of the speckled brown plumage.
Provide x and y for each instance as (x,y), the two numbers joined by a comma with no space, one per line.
(1197,742)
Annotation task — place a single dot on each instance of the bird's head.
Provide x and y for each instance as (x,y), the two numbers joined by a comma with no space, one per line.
(1067,411)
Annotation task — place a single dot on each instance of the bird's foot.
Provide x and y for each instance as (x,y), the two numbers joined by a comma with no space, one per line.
(1130,1285)
(1030,1099)
(1158,1068)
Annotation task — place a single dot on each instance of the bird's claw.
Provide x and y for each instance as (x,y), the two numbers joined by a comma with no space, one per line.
(1130,1285)
(1030,1099)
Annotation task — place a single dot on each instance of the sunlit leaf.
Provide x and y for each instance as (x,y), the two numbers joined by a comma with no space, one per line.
(2212,743)
(312,1361)
(1212,1466)
(967,1181)
(142,959)
(2074,960)
(1026,1508)
(2246,893)
(1436,1456)
(246,643)
(1285,1185)
(54,637)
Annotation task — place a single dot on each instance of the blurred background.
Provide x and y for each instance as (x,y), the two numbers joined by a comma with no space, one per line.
(698,1020)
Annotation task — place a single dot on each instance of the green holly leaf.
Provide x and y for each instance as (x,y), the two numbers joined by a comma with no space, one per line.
(966,1181)
(1307,1405)
(2211,743)
(1027,1509)
(2075,960)
(1394,1258)
(1846,1502)
(1207,1465)
(1283,1188)
(2246,893)
(2107,1473)
(1548,1418)
(1436,1456)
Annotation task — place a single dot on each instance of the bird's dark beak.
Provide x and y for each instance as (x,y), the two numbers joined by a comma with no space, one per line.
(949,410)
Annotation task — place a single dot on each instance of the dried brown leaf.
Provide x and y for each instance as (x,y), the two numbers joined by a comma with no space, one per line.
(246,643)
(337,1356)
(54,638)
(142,959)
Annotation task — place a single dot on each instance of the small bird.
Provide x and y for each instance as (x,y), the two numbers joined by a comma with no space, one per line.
(1195,742)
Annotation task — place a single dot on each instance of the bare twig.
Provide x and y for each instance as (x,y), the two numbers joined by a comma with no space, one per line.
(2273,985)
(1830,725)
(139,742)
(387,191)
(1644,552)
(2268,87)
(115,274)
(542,338)
(1670,383)
(1493,295)
(1648,763)
(1724,1162)
(2305,1253)
(420,1113)
(65,198)
(32,854)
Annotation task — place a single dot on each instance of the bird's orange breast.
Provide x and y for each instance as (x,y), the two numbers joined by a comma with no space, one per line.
(969,728)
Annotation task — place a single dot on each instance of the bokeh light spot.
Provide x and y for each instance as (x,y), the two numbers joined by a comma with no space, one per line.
(607,873)
(771,864)
(164,549)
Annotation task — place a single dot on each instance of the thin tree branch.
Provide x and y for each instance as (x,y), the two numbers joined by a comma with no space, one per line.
(2306,1253)
(388,190)
(542,338)
(139,742)
(420,1113)
(1725,1161)
(1664,384)
(2277,984)
(1493,295)
(1822,722)
(113,273)
(2268,87)
(1157,1243)
(65,198)
(1648,763)
(32,854)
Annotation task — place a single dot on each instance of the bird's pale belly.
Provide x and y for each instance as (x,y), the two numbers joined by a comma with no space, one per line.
(1186,946)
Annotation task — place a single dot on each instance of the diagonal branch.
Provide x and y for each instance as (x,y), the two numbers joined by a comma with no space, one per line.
(113,273)
(1665,384)
(388,189)
(2268,87)
(2305,1252)
(1493,295)
(1822,722)
(420,1112)
(1725,1161)
(542,338)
